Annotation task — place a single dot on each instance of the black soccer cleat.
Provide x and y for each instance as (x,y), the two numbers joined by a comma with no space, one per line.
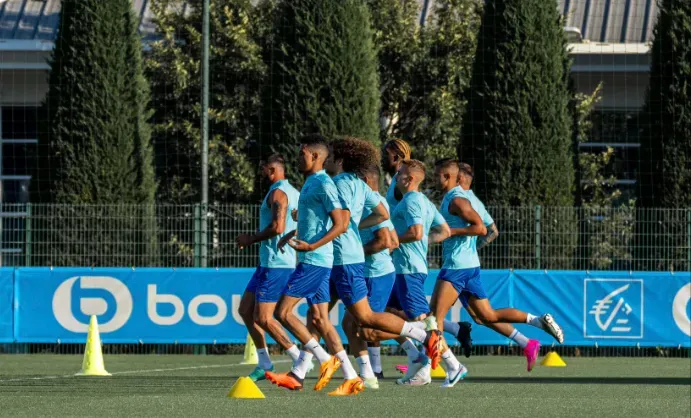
(379,375)
(464,338)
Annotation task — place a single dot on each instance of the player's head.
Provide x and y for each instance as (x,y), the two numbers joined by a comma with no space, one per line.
(273,167)
(313,152)
(395,151)
(371,175)
(465,175)
(446,174)
(411,174)
(352,155)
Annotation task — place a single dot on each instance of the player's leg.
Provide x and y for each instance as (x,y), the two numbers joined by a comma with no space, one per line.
(269,289)
(378,294)
(246,311)
(444,296)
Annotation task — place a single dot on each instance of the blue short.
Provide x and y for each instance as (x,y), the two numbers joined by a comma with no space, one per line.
(308,281)
(410,294)
(466,282)
(379,291)
(268,283)
(349,281)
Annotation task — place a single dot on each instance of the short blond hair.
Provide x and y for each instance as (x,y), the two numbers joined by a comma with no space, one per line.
(415,165)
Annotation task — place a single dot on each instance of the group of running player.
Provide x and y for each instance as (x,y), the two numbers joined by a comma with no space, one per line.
(340,239)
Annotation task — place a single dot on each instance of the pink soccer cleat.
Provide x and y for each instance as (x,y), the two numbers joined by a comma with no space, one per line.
(531,351)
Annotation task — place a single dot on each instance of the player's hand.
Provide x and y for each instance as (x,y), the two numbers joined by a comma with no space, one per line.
(282,242)
(243,240)
(294,214)
(301,246)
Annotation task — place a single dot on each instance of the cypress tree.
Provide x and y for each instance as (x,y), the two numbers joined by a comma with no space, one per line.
(666,138)
(517,132)
(323,74)
(96,149)
(665,171)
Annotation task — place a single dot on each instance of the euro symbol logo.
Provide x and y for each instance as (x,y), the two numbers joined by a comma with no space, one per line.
(601,307)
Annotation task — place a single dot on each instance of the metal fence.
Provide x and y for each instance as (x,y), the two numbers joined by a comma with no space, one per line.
(171,236)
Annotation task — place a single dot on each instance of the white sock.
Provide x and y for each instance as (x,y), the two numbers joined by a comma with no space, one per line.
(411,350)
(534,321)
(300,369)
(264,359)
(419,324)
(365,365)
(375,358)
(316,349)
(346,366)
(293,352)
(450,360)
(451,327)
(413,332)
(519,338)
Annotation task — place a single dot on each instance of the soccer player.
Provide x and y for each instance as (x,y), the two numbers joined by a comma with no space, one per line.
(320,221)
(460,274)
(263,290)
(352,156)
(380,273)
(395,152)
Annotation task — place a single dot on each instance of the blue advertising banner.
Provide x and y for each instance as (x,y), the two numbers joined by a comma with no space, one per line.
(152,305)
(6,305)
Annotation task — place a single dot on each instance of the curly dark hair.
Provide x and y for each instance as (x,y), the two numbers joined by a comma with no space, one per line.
(357,154)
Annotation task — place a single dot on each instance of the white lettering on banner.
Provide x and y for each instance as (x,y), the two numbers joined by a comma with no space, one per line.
(235,308)
(154,299)
(681,301)
(62,303)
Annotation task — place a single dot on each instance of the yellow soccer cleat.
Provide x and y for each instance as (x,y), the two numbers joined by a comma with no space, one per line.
(349,387)
(327,370)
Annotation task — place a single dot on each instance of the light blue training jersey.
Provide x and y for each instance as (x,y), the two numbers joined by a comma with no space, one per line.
(269,256)
(414,209)
(460,252)
(318,198)
(356,196)
(377,264)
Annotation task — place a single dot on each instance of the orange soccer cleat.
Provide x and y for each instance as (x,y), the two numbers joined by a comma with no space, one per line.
(433,344)
(327,370)
(349,387)
(284,380)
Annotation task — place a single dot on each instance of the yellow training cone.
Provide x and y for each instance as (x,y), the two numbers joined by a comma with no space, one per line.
(552,359)
(245,388)
(250,356)
(438,373)
(93,356)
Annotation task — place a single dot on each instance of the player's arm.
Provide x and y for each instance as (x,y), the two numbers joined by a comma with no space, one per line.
(339,219)
(439,233)
(462,208)
(379,214)
(414,221)
(381,241)
(278,201)
(491,235)
(394,239)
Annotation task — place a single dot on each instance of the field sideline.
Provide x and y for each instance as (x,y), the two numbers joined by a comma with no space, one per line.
(42,385)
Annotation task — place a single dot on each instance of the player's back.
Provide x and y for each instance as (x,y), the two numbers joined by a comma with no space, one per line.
(414,209)
(356,196)
(460,252)
(318,198)
(269,256)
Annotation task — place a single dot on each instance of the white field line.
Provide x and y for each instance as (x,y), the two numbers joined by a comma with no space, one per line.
(211,366)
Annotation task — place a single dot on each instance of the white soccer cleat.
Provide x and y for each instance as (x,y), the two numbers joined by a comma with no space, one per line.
(421,378)
(552,328)
(451,381)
